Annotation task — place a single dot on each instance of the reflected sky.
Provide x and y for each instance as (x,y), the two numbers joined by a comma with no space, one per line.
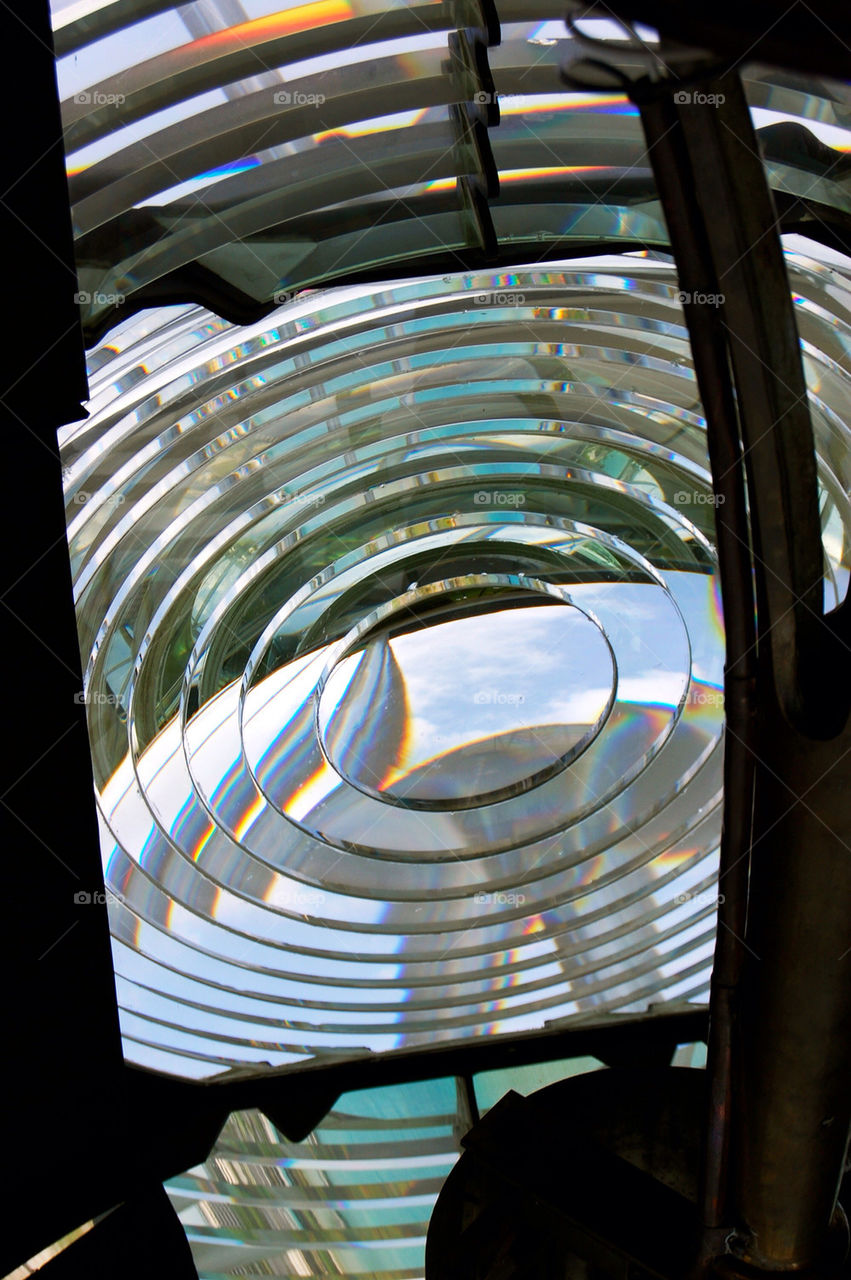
(308,634)
(466,708)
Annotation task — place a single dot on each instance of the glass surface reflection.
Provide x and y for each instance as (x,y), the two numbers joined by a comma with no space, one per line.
(458,712)
(404,657)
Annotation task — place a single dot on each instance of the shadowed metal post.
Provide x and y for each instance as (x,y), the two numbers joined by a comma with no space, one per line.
(780,1056)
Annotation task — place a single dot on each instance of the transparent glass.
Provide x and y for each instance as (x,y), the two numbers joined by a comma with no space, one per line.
(404,657)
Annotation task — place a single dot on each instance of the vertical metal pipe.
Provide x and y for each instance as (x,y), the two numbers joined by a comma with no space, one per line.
(671,160)
(795,1024)
(780,1041)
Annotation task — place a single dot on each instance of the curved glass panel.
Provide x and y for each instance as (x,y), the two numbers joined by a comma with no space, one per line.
(183,127)
(354,1199)
(405,657)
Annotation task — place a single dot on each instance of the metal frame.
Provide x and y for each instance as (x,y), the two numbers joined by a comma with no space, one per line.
(778,1030)
(780,1049)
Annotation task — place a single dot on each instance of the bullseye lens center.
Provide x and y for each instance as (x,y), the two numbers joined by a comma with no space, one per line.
(469,703)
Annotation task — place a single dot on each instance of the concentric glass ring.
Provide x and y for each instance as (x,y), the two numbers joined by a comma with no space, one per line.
(404,657)
(351,731)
